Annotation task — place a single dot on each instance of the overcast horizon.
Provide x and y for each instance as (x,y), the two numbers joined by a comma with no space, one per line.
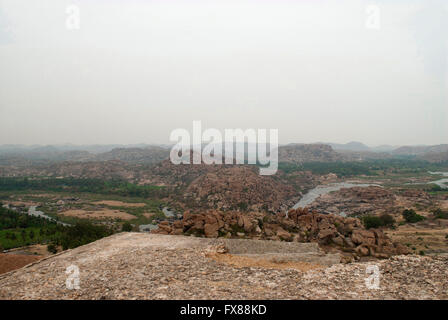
(205,143)
(134,71)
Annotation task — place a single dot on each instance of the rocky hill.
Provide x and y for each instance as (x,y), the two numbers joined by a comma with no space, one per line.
(420,150)
(355,201)
(142,266)
(167,173)
(42,155)
(300,153)
(350,146)
(92,169)
(226,187)
(358,201)
(147,155)
(434,156)
(204,186)
(241,187)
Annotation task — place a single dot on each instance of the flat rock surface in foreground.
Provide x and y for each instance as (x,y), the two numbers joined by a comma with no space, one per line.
(144,266)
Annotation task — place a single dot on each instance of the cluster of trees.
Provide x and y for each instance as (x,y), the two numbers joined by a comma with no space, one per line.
(126,227)
(18,229)
(435,188)
(411,216)
(384,220)
(11,220)
(440,214)
(341,169)
(368,167)
(118,187)
(25,234)
(82,233)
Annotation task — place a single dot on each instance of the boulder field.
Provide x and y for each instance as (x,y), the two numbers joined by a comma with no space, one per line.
(332,232)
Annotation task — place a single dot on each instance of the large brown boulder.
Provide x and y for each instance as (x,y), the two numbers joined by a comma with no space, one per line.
(248,224)
(165,227)
(283,234)
(301,225)
(211,230)
(360,236)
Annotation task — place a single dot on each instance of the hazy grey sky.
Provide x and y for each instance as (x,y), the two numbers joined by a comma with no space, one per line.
(135,70)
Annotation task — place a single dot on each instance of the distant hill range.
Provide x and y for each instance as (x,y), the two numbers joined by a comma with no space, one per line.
(361,147)
(144,154)
(420,150)
(357,150)
(300,153)
(152,154)
(436,153)
(351,146)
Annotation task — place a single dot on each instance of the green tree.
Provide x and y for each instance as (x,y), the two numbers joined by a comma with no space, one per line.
(387,220)
(372,222)
(23,235)
(411,216)
(127,227)
(440,214)
(52,248)
(243,206)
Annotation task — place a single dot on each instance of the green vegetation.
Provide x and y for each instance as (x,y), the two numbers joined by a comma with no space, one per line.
(117,187)
(19,229)
(46,190)
(440,214)
(127,227)
(236,229)
(243,206)
(19,237)
(435,188)
(52,248)
(82,233)
(385,220)
(341,169)
(368,167)
(12,220)
(411,216)
(371,222)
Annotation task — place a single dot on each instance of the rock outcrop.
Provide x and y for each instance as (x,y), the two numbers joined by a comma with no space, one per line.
(372,200)
(355,201)
(145,266)
(330,231)
(240,187)
(412,197)
(300,153)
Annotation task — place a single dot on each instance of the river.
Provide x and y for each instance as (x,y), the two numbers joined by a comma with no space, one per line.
(168,212)
(443,183)
(36,213)
(313,194)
